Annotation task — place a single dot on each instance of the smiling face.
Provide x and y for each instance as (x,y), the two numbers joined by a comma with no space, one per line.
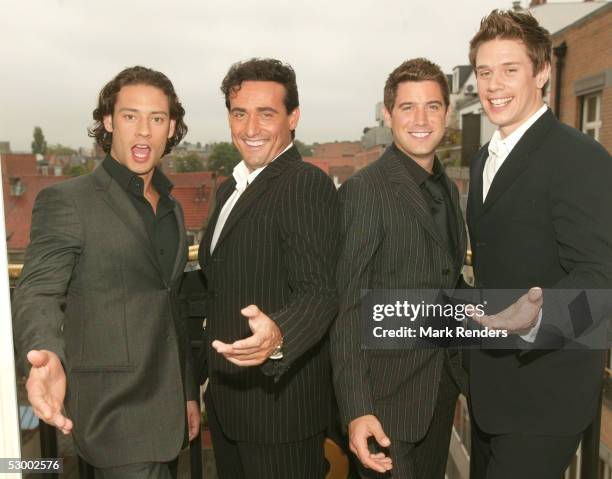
(141,126)
(259,122)
(509,90)
(418,120)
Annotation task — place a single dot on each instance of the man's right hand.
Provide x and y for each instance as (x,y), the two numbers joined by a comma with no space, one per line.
(46,388)
(360,430)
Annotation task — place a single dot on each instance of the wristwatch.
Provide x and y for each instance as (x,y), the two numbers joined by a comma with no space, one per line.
(278,352)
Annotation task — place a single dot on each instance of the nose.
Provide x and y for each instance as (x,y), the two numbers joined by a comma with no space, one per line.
(144,128)
(494,82)
(252,126)
(420,116)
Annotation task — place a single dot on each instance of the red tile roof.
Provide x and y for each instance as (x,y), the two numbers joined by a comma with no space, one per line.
(195,202)
(18,164)
(18,209)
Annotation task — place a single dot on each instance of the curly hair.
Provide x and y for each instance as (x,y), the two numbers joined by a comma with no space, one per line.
(415,70)
(262,69)
(136,75)
(511,25)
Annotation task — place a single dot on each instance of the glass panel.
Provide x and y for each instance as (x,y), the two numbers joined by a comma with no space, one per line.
(591,106)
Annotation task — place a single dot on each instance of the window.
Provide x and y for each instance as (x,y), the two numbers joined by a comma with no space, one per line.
(591,115)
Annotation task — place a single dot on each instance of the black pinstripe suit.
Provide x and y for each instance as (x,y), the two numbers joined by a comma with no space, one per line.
(389,242)
(276,250)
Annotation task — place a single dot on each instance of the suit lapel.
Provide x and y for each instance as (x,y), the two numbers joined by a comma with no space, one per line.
(182,246)
(459,223)
(256,189)
(119,202)
(223,193)
(410,194)
(518,159)
(475,194)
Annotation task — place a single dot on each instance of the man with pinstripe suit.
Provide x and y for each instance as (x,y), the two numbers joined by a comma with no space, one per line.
(268,257)
(401,229)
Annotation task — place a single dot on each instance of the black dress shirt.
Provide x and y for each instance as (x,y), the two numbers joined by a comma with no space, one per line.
(436,194)
(161,225)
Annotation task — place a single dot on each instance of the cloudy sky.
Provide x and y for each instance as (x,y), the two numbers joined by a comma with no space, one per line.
(55,55)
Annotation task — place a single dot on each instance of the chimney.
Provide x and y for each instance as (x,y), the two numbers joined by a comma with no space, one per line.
(516,6)
(535,3)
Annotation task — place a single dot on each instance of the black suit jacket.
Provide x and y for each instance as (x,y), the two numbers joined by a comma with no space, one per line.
(545,222)
(93,292)
(389,241)
(277,251)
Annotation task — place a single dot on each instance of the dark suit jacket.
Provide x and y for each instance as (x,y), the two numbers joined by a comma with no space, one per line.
(277,251)
(545,222)
(93,292)
(389,242)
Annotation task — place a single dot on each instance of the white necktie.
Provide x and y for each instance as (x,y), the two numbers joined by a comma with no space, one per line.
(491,167)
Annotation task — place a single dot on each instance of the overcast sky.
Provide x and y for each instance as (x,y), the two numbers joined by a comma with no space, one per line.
(55,56)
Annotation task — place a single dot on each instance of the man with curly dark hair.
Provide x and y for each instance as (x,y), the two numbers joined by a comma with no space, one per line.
(96,314)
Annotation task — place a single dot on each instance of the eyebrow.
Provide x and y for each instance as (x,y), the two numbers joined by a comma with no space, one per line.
(135,110)
(410,103)
(482,67)
(259,109)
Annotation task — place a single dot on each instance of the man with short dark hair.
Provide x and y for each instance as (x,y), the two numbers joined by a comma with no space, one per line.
(268,255)
(538,214)
(401,229)
(96,308)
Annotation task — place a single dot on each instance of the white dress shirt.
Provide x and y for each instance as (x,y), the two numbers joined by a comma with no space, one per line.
(243,178)
(499,149)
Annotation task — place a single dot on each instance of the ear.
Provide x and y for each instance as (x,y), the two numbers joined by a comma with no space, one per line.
(294,117)
(107,121)
(387,116)
(543,76)
(172,128)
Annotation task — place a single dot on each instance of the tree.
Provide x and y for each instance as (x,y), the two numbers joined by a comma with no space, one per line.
(223,158)
(189,162)
(59,149)
(77,170)
(39,145)
(303,148)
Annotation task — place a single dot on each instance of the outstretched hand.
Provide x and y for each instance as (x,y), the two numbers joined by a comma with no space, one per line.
(258,347)
(518,318)
(46,387)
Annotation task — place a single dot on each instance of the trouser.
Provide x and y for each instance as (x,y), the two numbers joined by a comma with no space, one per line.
(528,456)
(245,460)
(425,459)
(143,470)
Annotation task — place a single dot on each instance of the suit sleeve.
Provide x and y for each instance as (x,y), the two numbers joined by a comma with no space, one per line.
(56,241)
(580,196)
(361,235)
(308,227)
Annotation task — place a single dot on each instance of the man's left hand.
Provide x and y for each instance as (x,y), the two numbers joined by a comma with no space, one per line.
(193,419)
(255,349)
(518,318)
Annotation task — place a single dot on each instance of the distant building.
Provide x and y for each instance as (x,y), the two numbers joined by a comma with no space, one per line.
(379,135)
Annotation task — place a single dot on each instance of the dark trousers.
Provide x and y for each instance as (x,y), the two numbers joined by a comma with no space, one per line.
(425,459)
(509,456)
(144,470)
(244,460)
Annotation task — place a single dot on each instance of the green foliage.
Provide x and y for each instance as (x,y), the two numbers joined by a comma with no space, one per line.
(188,163)
(223,158)
(59,149)
(77,170)
(39,145)
(304,149)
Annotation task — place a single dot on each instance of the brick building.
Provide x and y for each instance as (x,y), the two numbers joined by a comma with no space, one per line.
(581,78)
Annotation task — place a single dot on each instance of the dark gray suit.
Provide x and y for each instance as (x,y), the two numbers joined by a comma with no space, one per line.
(93,292)
(390,241)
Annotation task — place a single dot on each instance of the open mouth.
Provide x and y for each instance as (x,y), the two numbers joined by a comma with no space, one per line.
(500,102)
(141,152)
